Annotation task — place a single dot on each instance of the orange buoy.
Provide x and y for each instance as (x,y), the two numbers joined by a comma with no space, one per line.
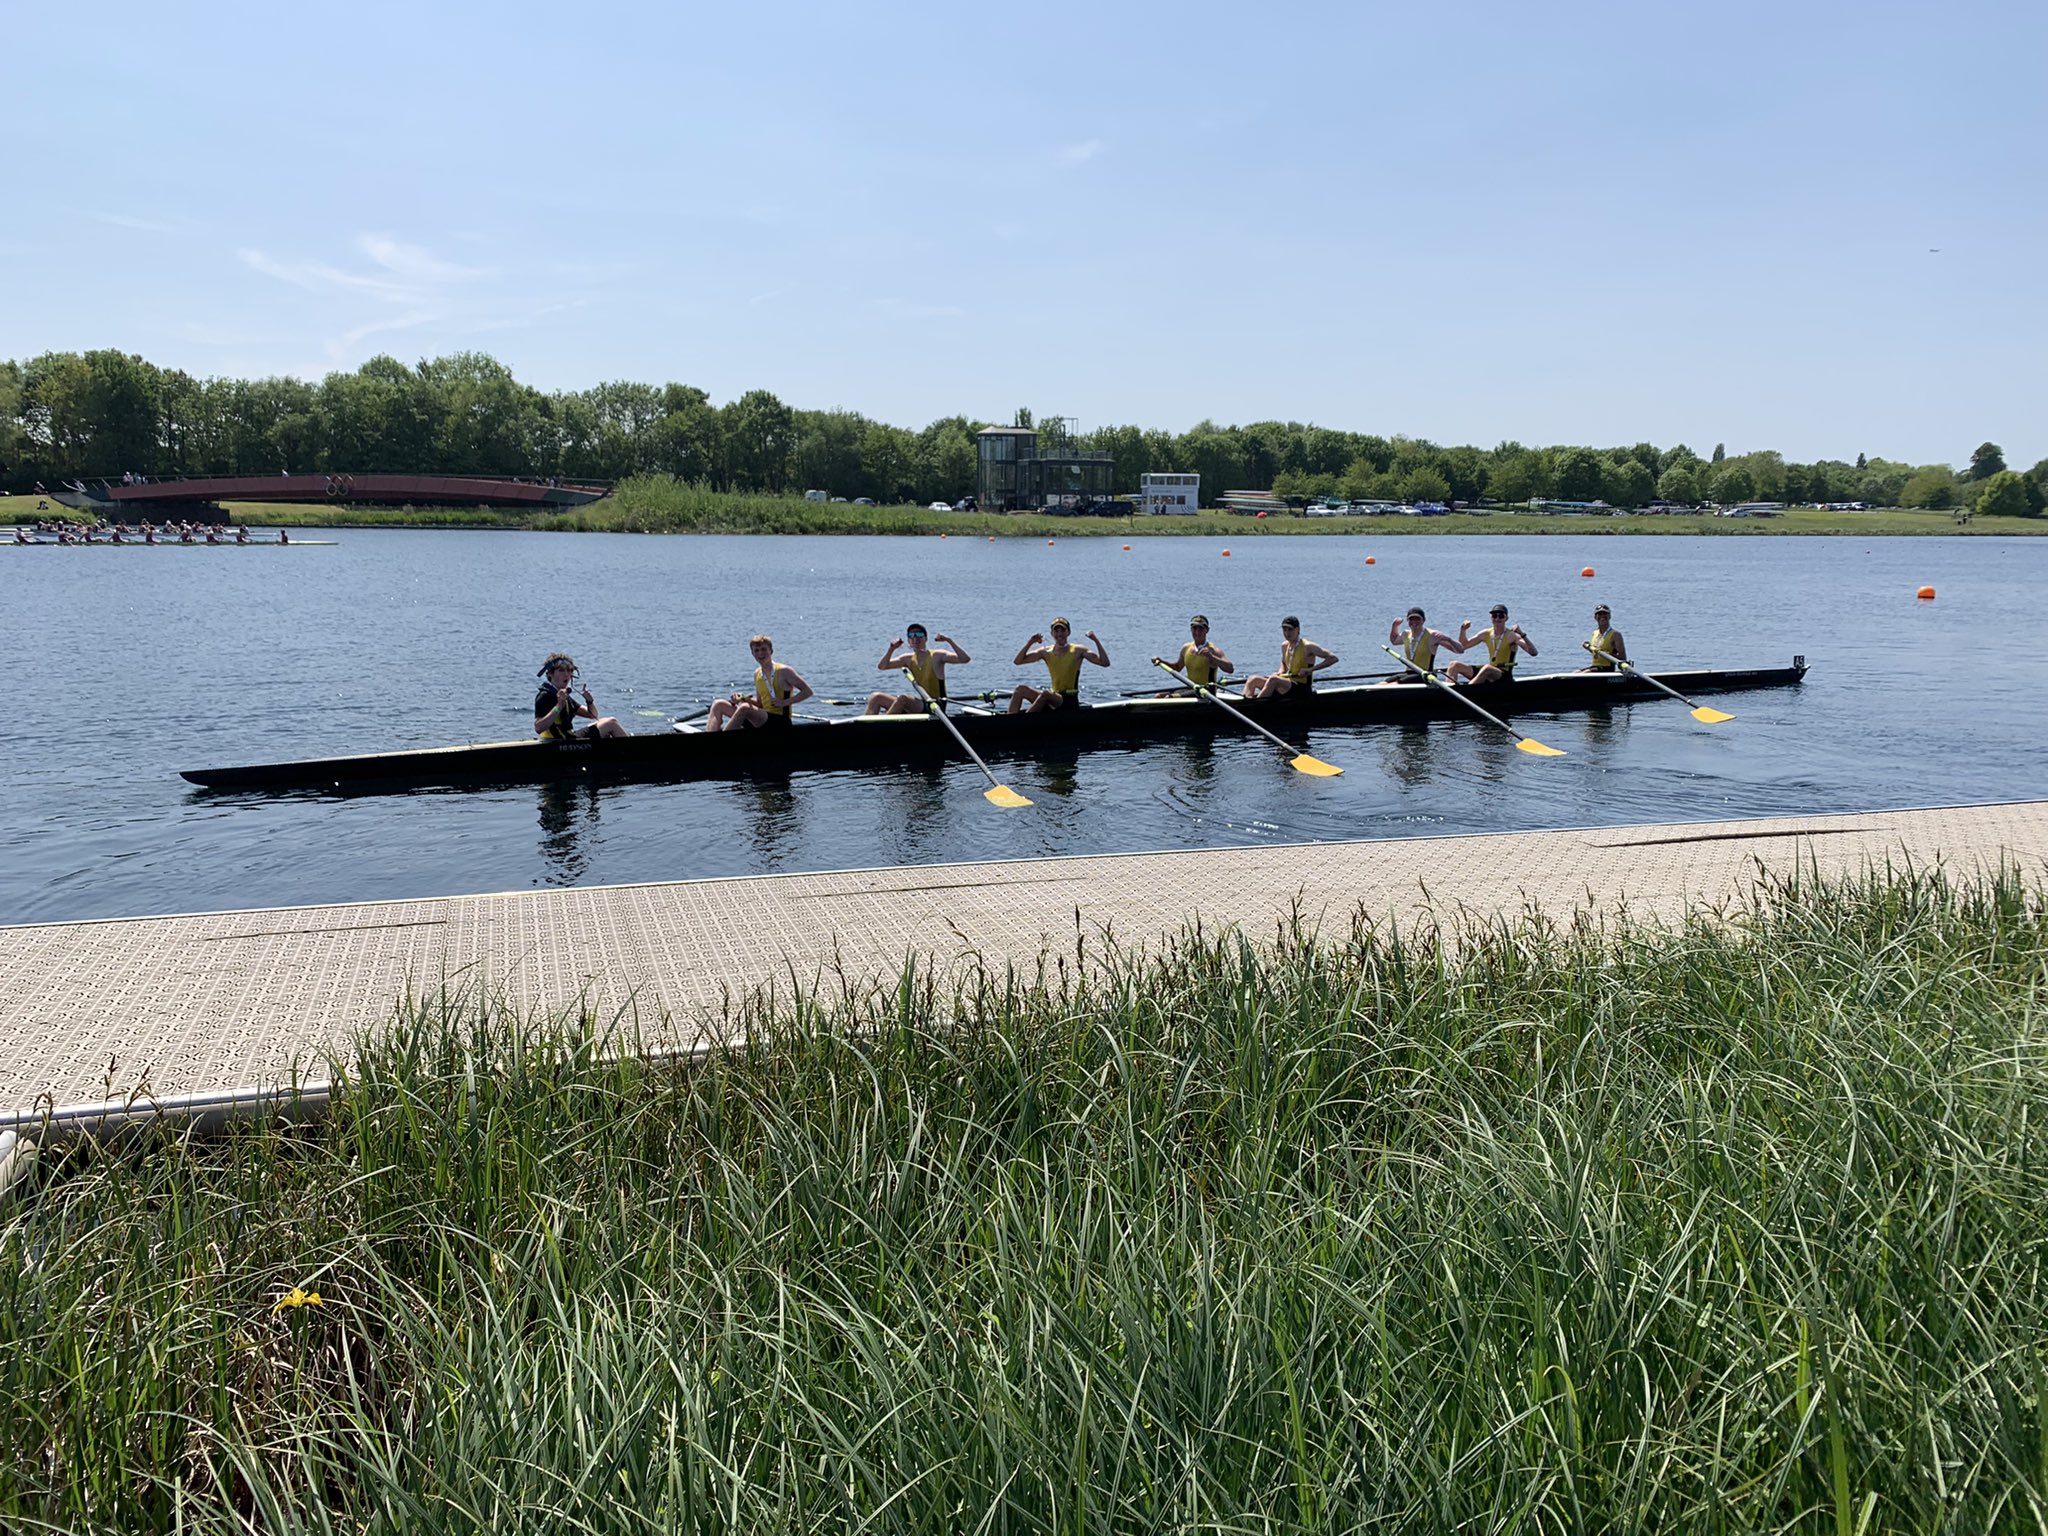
(1226,554)
(1262,514)
(991,538)
(1127,549)
(1587,571)
(1925,594)
(942,535)
(1370,561)
(1048,543)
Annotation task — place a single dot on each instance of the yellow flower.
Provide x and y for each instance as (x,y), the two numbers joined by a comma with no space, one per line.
(297,1298)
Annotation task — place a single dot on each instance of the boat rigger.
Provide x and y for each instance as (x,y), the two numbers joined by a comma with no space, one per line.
(686,752)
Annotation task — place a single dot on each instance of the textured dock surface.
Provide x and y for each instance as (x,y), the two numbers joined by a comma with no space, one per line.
(228,1000)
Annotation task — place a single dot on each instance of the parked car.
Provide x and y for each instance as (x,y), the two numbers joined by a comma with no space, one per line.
(863,501)
(940,506)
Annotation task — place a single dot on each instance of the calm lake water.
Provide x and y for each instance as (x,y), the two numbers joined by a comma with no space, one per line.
(132,664)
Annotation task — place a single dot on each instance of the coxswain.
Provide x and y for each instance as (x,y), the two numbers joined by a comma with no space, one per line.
(1300,661)
(1605,643)
(556,710)
(283,537)
(1420,645)
(926,666)
(1500,640)
(777,690)
(1063,669)
(1199,661)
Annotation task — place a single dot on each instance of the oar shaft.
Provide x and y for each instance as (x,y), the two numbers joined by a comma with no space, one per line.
(1430,677)
(1626,666)
(1210,694)
(938,713)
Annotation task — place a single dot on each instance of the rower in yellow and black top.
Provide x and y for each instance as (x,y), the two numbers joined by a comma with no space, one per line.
(1063,669)
(556,708)
(777,691)
(1300,661)
(1420,645)
(1606,643)
(926,665)
(1500,640)
(1199,661)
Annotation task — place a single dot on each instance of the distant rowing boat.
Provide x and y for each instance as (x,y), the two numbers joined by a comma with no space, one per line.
(914,740)
(171,544)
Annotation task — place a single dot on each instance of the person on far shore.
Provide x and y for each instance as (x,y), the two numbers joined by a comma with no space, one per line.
(1199,661)
(777,691)
(1063,669)
(1606,643)
(1421,644)
(1500,640)
(926,666)
(1300,661)
(556,710)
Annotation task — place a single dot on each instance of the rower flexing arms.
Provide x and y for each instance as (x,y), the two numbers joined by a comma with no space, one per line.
(1421,644)
(926,666)
(1500,640)
(1062,666)
(1606,643)
(777,691)
(556,711)
(1300,661)
(1199,661)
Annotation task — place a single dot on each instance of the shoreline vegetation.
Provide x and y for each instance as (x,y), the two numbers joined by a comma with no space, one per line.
(1728,1224)
(659,504)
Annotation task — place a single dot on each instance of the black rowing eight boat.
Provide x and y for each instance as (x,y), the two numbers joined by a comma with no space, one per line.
(868,741)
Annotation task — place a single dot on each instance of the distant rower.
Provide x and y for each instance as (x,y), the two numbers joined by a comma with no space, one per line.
(1500,640)
(926,667)
(1606,643)
(1421,644)
(1199,661)
(777,690)
(1300,661)
(1062,665)
(555,710)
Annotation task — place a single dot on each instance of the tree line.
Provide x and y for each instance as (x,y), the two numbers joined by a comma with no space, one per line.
(69,415)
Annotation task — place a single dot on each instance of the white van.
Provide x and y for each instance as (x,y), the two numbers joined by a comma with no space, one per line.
(817,496)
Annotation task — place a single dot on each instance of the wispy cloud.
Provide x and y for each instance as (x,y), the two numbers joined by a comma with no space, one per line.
(1081,153)
(393,274)
(129,221)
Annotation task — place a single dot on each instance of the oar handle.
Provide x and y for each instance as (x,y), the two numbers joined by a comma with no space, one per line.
(1209,693)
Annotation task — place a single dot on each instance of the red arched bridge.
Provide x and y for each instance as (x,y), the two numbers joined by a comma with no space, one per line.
(135,499)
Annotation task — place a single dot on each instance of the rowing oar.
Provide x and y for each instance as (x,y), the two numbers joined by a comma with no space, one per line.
(1301,762)
(998,793)
(1700,712)
(1528,744)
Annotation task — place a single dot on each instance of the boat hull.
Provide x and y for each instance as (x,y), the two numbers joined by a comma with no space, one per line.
(914,740)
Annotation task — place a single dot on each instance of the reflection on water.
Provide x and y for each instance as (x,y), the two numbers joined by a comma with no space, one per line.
(771,815)
(566,812)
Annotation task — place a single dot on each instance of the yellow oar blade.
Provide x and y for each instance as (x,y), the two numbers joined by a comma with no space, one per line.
(1707,716)
(1003,795)
(1536,748)
(1314,765)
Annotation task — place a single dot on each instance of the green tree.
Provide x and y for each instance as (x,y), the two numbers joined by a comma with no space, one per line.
(1732,484)
(1988,460)
(1578,472)
(2037,486)
(1720,452)
(1681,484)
(2004,494)
(1931,488)
(1627,482)
(755,432)
(1424,483)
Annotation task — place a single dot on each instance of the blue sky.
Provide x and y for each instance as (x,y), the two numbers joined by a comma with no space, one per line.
(1466,222)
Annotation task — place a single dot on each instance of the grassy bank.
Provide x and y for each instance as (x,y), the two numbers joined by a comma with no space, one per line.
(1734,1227)
(657,504)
